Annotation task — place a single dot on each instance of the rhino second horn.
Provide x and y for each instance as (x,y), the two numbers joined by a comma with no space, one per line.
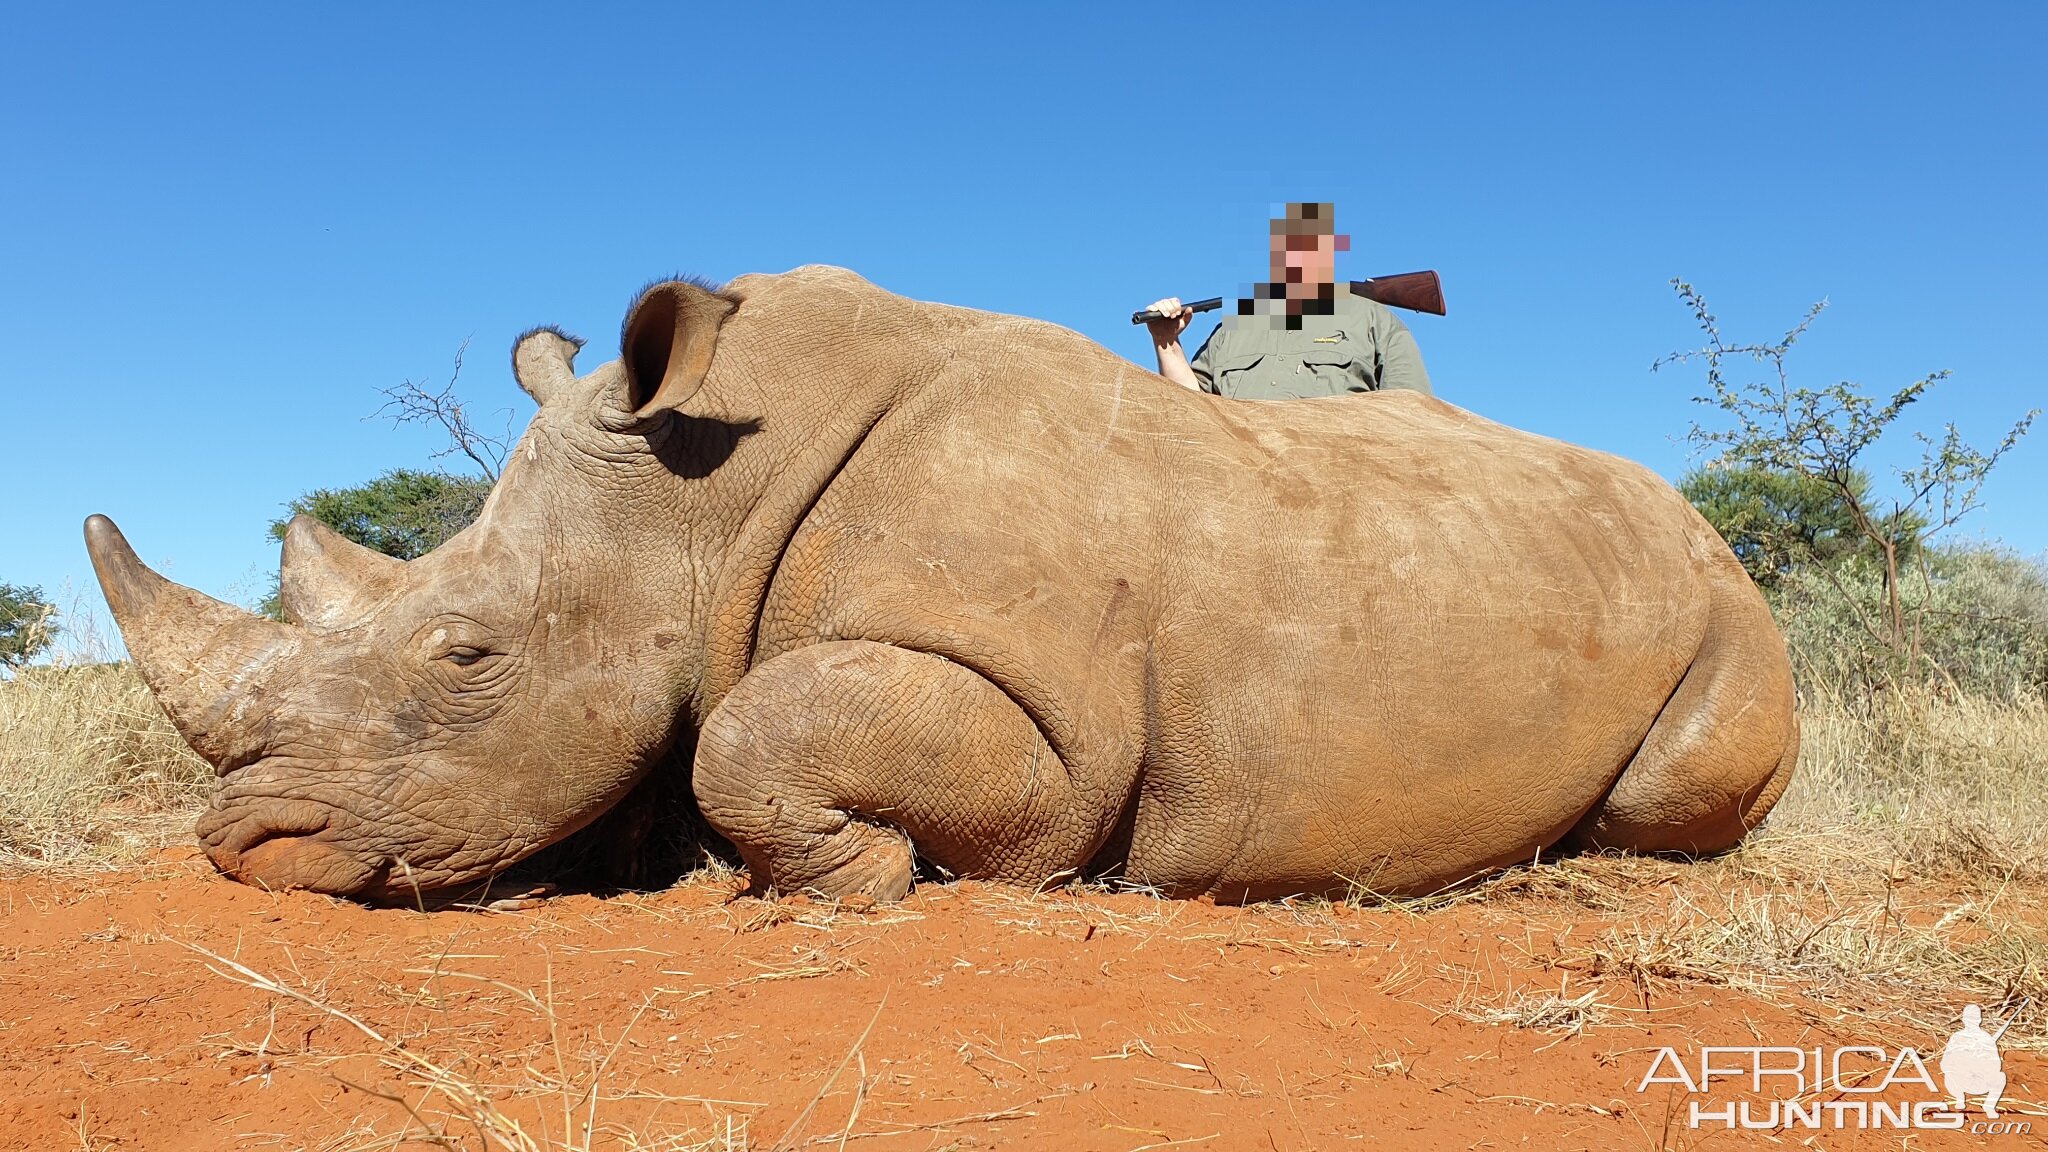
(544,363)
(329,581)
(203,659)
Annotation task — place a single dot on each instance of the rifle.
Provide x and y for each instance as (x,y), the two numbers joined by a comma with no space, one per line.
(2000,1034)
(1415,291)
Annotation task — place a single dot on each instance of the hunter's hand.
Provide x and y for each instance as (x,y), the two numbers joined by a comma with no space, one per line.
(1173,320)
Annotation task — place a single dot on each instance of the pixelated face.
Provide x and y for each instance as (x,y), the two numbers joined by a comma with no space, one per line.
(1307,259)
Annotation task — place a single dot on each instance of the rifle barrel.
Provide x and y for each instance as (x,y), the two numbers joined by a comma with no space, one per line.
(1209,305)
(2000,1034)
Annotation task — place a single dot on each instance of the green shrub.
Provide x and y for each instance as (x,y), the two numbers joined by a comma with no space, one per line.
(27,624)
(1976,616)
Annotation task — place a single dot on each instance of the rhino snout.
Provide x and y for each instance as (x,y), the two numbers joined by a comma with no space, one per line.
(288,844)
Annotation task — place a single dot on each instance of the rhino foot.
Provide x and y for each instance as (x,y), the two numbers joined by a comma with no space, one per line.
(880,869)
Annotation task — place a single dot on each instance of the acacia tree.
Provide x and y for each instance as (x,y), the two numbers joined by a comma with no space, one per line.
(1778,521)
(403,513)
(1819,436)
(406,512)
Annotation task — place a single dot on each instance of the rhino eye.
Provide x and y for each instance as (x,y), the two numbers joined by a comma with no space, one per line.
(463,655)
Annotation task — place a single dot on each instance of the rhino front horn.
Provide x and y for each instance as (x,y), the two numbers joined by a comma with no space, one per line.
(202,658)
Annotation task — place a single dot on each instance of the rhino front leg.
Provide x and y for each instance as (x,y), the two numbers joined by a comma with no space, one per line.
(832,767)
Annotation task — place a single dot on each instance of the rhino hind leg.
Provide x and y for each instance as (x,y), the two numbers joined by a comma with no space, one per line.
(833,767)
(1722,749)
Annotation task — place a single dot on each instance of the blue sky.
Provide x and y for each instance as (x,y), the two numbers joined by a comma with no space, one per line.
(228,227)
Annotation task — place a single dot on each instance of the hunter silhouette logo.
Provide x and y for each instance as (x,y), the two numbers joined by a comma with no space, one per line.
(1853,1086)
(1970,1063)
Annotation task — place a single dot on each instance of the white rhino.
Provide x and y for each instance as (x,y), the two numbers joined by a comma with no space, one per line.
(924,582)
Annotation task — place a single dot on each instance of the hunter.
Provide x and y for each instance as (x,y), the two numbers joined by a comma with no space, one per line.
(1302,334)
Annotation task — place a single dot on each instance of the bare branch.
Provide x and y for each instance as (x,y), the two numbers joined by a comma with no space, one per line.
(413,403)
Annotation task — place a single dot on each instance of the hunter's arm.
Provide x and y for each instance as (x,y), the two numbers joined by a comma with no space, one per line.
(1400,361)
(1174,365)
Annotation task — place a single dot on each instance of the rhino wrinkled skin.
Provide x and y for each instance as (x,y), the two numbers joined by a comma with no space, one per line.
(924,582)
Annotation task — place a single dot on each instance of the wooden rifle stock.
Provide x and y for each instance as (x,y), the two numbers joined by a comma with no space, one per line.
(1414,291)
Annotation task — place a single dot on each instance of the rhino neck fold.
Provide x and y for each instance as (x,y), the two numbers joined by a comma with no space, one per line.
(742,585)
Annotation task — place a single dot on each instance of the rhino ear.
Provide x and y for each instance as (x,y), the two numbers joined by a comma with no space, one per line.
(544,362)
(667,343)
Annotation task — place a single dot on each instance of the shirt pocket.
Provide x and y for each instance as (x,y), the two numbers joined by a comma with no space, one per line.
(1233,371)
(1340,368)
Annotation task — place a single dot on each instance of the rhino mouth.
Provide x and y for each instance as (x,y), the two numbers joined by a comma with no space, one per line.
(280,843)
(287,844)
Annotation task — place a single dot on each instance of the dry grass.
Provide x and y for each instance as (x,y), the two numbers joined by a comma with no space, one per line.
(1537,1011)
(1776,918)
(91,772)
(1943,784)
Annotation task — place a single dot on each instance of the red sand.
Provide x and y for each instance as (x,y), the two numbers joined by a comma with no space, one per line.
(999,1020)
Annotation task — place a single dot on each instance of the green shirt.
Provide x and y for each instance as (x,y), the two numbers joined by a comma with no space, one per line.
(1360,346)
